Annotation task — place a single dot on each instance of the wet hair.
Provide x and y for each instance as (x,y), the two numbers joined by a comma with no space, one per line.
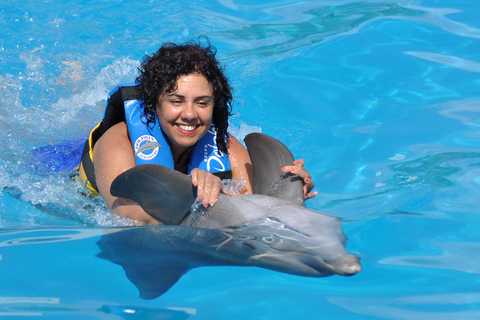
(159,74)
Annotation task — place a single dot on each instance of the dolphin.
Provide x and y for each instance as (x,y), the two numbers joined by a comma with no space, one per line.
(270,229)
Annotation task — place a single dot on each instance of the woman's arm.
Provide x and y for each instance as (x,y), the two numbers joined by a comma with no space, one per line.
(209,185)
(112,155)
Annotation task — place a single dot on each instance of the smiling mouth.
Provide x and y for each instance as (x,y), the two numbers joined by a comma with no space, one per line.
(187,128)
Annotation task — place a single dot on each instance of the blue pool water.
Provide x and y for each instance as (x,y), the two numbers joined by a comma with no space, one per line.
(381,99)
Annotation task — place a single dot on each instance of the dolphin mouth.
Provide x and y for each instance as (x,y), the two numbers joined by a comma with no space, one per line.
(302,264)
(348,265)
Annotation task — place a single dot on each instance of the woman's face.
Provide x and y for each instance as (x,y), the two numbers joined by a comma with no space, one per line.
(185,115)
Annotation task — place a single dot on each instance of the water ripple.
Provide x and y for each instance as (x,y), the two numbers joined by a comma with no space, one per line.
(448,60)
(306,23)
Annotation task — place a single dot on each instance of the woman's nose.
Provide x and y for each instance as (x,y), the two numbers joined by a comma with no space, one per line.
(189,112)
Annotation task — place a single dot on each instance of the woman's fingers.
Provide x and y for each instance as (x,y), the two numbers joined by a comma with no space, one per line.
(211,190)
(208,186)
(306,177)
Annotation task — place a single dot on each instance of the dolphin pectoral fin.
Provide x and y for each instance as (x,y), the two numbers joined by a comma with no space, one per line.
(268,156)
(153,281)
(163,193)
(156,257)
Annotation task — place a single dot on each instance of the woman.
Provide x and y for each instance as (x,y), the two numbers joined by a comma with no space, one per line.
(177,116)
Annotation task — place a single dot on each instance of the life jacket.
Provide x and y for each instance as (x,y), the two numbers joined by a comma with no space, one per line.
(149,143)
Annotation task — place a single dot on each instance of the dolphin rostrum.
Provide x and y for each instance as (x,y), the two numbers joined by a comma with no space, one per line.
(270,228)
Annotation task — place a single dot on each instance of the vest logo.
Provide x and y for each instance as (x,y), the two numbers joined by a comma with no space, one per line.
(215,154)
(217,159)
(146,147)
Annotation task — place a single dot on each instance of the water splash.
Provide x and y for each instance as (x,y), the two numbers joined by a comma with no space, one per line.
(42,145)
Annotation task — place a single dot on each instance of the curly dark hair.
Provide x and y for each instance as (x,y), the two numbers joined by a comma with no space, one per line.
(159,74)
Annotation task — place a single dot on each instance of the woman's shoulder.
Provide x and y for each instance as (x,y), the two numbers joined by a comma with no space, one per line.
(233,145)
(240,162)
(117,131)
(115,138)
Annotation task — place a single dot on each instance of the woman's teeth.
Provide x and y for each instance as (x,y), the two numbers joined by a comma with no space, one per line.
(186,128)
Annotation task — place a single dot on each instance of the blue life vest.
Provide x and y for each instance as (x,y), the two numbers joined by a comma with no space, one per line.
(150,144)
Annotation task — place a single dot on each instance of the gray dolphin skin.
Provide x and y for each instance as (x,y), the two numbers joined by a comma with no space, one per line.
(270,228)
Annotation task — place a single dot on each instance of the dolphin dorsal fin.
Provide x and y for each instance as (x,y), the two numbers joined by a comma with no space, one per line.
(268,156)
(163,193)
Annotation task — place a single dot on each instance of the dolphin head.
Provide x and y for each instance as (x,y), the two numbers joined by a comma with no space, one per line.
(271,244)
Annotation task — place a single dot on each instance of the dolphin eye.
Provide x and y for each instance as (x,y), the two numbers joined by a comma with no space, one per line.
(268,239)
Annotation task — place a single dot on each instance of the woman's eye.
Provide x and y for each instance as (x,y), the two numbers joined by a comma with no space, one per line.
(203,103)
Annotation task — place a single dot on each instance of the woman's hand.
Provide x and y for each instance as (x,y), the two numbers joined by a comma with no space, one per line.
(208,186)
(306,177)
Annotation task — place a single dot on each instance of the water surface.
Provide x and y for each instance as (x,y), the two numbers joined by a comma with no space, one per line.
(380,98)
